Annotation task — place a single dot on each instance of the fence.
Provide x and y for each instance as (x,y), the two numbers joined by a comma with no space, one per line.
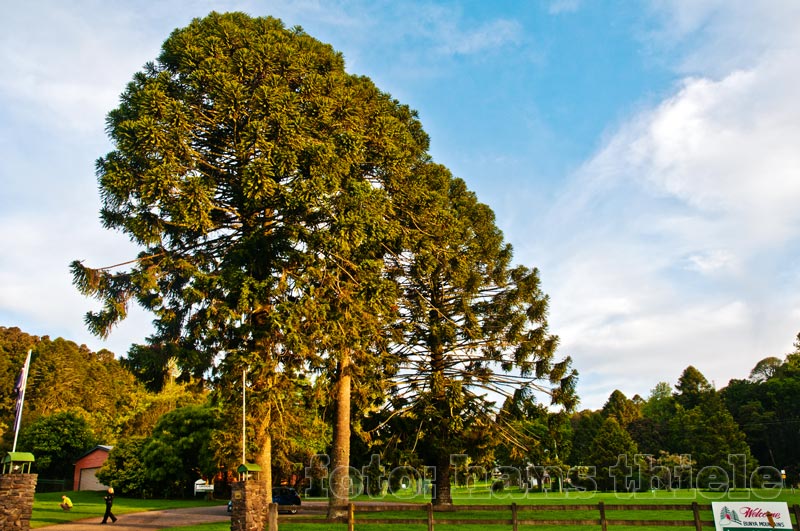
(52,485)
(519,513)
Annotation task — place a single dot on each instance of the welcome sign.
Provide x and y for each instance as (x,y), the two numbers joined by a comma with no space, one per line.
(751,514)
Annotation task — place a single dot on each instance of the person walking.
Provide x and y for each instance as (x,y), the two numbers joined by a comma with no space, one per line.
(109,498)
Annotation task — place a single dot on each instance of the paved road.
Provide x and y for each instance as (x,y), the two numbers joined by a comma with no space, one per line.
(152,520)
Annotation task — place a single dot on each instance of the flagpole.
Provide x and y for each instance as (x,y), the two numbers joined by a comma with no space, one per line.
(21,384)
(244,417)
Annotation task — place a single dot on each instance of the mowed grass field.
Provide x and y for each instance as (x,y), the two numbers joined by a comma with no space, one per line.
(503,501)
(47,510)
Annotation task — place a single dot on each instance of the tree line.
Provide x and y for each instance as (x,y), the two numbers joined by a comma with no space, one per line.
(77,399)
(164,439)
(731,432)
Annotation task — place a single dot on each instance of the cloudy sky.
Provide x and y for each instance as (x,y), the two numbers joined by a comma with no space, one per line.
(644,156)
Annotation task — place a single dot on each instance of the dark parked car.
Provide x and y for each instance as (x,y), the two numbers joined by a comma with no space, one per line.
(286,498)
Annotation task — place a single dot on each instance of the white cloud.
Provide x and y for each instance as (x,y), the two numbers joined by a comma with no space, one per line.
(722,340)
(563,6)
(711,261)
(678,234)
(729,148)
(449,33)
(723,148)
(70,68)
(726,35)
(489,36)
(37,285)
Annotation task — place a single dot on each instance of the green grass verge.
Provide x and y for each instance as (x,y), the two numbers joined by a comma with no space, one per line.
(474,497)
(88,504)
(46,510)
(221,526)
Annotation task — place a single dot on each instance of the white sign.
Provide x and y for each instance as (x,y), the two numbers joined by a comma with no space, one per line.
(751,514)
(201,486)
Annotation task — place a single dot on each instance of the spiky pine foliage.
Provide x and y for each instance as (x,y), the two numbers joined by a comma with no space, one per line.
(473,325)
(255,174)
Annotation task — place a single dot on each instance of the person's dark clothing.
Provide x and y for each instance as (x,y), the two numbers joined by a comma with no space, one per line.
(109,498)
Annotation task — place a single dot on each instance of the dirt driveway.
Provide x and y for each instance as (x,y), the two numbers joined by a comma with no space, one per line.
(151,520)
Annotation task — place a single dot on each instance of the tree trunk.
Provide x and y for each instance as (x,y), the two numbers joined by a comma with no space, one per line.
(441,494)
(264,456)
(265,462)
(340,464)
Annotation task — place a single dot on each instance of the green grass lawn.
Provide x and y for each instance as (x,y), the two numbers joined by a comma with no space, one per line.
(476,497)
(46,509)
(222,526)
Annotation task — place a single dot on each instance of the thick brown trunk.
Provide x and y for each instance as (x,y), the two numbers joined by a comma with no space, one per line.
(340,462)
(264,460)
(441,494)
(264,456)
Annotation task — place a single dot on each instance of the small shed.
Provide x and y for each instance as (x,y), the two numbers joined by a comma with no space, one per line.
(18,463)
(87,466)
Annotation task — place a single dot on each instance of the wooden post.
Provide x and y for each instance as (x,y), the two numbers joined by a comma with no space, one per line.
(698,525)
(603,524)
(351,517)
(514,516)
(796,509)
(272,517)
(430,516)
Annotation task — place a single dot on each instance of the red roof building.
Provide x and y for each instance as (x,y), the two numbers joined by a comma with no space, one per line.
(87,466)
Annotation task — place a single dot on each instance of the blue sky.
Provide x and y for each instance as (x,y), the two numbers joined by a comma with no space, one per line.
(643,155)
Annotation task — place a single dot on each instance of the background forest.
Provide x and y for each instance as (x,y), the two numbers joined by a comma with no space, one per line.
(169,430)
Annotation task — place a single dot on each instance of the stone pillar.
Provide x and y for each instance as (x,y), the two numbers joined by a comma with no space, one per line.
(250,505)
(16,500)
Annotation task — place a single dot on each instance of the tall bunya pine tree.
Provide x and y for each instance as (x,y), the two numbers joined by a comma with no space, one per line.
(236,155)
(475,326)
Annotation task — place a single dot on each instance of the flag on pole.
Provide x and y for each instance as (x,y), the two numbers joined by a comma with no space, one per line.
(19,389)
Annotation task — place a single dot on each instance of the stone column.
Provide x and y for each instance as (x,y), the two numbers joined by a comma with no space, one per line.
(16,500)
(250,506)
